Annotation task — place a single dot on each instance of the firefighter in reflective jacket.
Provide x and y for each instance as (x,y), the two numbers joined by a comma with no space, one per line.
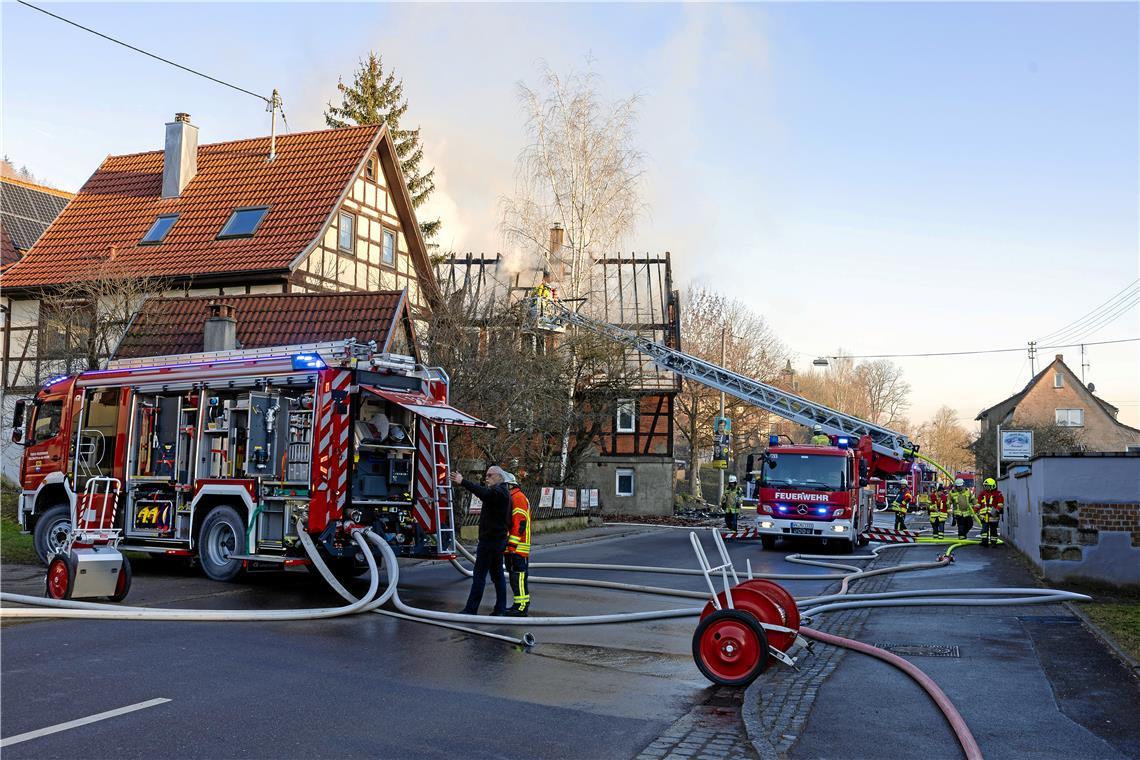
(517,553)
(939,508)
(990,506)
(962,507)
(731,503)
(818,437)
(900,507)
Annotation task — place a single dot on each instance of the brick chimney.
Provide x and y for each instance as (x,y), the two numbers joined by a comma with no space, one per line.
(557,261)
(220,333)
(180,157)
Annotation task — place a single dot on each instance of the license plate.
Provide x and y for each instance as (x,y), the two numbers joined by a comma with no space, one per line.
(804,529)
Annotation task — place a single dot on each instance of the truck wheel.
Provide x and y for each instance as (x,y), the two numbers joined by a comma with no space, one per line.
(60,577)
(768,542)
(846,547)
(123,585)
(222,535)
(730,648)
(52,529)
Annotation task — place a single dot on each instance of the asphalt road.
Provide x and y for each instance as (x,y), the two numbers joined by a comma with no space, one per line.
(367,685)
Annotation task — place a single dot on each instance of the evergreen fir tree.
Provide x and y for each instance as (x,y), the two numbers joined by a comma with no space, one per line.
(375,97)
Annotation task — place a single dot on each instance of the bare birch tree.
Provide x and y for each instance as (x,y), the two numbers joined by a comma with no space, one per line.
(580,168)
(751,348)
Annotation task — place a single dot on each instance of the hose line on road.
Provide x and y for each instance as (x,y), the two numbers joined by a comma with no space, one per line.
(67,608)
(953,717)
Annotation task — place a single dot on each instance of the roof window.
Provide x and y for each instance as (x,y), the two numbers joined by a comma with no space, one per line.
(243,222)
(157,232)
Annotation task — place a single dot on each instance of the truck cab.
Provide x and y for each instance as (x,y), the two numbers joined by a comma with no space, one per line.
(814,492)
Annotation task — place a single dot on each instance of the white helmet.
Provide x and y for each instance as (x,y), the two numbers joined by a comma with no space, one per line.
(817,428)
(731,478)
(959,482)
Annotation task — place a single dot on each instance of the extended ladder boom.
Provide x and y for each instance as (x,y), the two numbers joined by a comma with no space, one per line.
(884,441)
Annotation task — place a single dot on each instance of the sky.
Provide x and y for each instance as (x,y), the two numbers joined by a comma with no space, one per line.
(887,178)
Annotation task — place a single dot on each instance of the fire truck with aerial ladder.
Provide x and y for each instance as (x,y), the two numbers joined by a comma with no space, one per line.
(217,455)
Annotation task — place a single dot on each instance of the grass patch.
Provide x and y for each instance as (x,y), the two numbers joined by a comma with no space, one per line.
(15,547)
(1120,620)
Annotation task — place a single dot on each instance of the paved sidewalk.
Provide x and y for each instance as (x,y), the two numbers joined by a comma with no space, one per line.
(1031,681)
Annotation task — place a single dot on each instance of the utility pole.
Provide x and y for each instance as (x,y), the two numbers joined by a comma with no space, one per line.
(1032,358)
(723,335)
(1084,364)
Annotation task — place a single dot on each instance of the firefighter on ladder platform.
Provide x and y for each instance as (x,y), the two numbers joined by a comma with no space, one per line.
(962,507)
(991,504)
(518,549)
(900,507)
(939,509)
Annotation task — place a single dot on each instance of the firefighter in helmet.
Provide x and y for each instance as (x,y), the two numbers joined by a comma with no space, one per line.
(730,503)
(517,553)
(991,504)
(901,506)
(962,507)
(939,509)
(818,437)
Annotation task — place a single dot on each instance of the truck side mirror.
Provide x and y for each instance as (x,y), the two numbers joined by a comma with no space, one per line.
(18,422)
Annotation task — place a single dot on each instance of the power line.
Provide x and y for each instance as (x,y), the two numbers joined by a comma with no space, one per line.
(970,353)
(1128,292)
(1116,313)
(144,52)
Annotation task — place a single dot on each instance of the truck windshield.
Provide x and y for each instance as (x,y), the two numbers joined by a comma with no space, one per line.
(806,471)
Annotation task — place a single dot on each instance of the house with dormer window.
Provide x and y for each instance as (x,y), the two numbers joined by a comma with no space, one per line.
(310,212)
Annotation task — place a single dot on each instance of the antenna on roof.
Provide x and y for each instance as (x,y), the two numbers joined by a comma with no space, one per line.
(272,105)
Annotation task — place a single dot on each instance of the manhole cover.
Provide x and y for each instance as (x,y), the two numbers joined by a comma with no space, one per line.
(921,650)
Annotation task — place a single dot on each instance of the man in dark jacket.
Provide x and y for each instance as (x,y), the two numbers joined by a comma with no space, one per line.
(494,523)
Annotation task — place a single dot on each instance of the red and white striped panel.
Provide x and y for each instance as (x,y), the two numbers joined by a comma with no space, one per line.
(424,503)
(891,538)
(742,533)
(892,531)
(330,458)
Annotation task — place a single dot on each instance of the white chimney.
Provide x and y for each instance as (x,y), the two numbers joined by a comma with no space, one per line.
(180,158)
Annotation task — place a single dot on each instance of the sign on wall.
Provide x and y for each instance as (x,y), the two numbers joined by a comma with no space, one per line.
(1016,445)
(547,498)
(558,498)
(571,498)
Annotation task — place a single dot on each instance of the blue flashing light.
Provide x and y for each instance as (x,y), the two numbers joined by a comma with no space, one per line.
(773,440)
(783,507)
(842,442)
(53,380)
(308,361)
(821,510)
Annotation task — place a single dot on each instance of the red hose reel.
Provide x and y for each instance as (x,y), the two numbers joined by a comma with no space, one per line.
(732,644)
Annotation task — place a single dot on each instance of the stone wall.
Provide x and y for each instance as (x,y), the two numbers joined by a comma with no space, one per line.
(1077,517)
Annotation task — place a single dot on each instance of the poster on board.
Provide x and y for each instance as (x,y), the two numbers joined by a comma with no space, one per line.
(558,499)
(546,500)
(476,506)
(571,498)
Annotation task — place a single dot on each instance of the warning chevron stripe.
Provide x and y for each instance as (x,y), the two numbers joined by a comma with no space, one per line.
(742,533)
(892,531)
(889,538)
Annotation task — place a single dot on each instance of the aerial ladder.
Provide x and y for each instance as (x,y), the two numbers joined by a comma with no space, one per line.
(893,452)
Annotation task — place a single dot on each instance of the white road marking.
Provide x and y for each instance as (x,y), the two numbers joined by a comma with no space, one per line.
(81,722)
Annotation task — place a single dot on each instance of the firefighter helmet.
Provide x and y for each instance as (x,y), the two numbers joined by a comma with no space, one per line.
(731,478)
(817,428)
(989,483)
(959,482)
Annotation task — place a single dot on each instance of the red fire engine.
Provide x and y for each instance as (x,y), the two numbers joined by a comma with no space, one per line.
(221,455)
(816,492)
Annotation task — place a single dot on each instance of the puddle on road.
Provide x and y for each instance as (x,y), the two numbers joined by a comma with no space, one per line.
(629,660)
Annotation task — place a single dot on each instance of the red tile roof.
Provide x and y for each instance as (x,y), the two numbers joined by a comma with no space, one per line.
(120,202)
(175,325)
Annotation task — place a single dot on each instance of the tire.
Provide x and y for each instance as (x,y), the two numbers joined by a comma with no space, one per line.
(730,648)
(52,528)
(846,547)
(222,534)
(60,577)
(123,586)
(768,542)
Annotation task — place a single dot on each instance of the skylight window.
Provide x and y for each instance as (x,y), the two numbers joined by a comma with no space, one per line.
(157,232)
(243,222)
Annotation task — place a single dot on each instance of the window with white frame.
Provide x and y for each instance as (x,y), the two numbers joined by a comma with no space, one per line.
(1071,417)
(346,234)
(624,484)
(626,415)
(1058,380)
(388,253)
